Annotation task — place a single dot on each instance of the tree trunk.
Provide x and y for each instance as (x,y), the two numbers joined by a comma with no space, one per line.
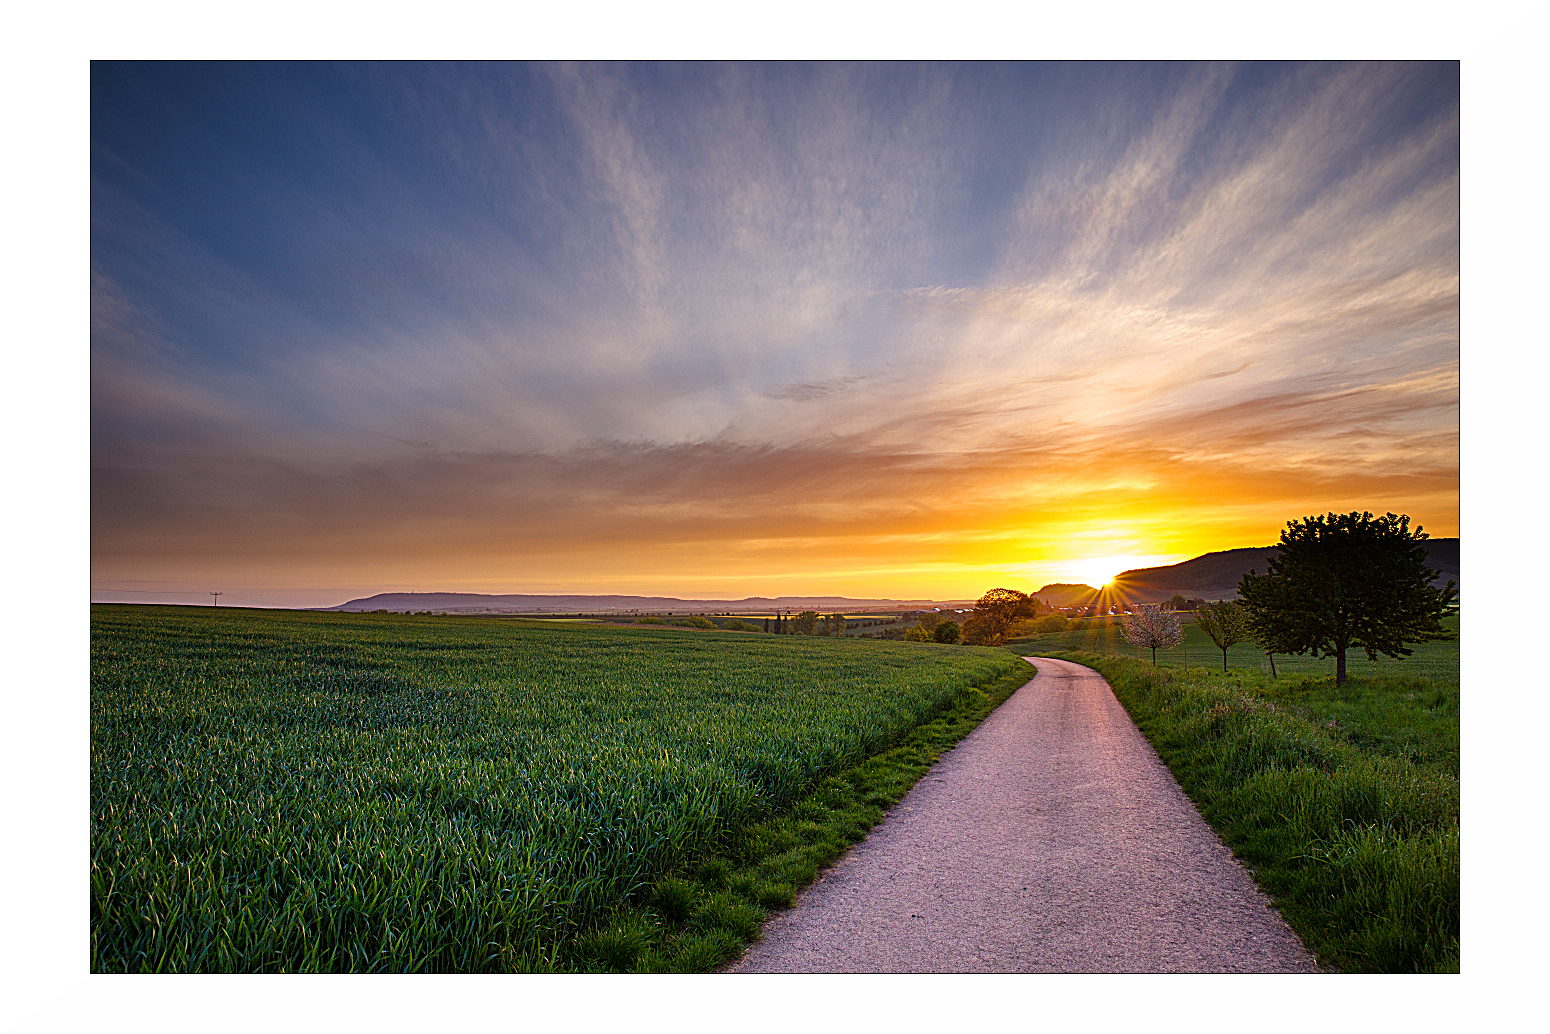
(1154,656)
(1272,664)
(1340,667)
(1224,658)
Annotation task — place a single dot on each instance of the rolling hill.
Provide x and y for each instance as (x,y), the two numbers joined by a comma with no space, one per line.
(1215,575)
(1065,594)
(1211,576)
(481,603)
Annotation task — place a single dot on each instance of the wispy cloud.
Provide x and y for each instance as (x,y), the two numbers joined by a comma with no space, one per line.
(604,312)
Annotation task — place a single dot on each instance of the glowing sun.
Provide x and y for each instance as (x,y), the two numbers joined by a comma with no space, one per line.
(1100,571)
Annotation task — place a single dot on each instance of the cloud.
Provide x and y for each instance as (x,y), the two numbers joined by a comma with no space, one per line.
(810,392)
(606,311)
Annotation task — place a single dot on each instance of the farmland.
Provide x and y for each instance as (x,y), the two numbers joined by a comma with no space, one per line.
(291,791)
(1437,661)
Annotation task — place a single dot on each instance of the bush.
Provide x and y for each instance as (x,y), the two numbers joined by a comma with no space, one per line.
(697,621)
(1027,627)
(917,635)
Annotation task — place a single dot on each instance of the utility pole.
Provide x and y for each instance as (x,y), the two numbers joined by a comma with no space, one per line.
(215,600)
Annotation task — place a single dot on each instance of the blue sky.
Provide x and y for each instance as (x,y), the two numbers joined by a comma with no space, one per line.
(725,329)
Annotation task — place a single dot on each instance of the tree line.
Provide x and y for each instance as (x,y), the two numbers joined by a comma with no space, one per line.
(1336,583)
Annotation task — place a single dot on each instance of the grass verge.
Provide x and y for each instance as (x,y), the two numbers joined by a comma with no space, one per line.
(1356,840)
(700,920)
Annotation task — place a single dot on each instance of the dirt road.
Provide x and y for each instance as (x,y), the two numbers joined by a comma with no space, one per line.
(1052,839)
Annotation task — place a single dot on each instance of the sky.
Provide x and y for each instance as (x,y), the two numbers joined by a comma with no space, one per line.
(718,330)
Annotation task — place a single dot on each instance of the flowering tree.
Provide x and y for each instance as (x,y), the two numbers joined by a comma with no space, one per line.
(1151,627)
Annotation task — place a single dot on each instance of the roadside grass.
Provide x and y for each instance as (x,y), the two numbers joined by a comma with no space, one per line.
(1344,801)
(1399,716)
(1438,660)
(703,918)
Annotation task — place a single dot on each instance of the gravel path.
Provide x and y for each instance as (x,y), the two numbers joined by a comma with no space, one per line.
(1052,839)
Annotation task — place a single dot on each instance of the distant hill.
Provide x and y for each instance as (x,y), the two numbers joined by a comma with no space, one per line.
(1212,576)
(1065,594)
(480,603)
(1216,575)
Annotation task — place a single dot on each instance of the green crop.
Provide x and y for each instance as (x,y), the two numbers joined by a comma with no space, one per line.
(288,791)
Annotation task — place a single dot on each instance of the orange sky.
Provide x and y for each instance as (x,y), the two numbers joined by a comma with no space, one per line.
(719,331)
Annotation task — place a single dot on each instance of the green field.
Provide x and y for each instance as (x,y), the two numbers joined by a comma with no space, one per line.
(291,791)
(1437,661)
(1344,800)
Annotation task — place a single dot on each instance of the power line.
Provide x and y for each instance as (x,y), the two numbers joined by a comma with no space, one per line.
(239,597)
(149,592)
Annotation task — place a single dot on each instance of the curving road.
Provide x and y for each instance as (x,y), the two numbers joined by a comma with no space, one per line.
(1052,839)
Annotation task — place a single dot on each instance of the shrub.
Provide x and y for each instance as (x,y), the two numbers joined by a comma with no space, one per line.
(697,621)
(1051,623)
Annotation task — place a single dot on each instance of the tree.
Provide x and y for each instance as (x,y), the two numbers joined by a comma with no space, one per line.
(1050,623)
(1265,633)
(1177,603)
(917,634)
(994,614)
(945,632)
(805,623)
(832,624)
(1153,627)
(1224,622)
(1345,580)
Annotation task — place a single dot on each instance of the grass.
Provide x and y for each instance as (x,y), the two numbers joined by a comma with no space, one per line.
(703,918)
(1434,661)
(1344,801)
(292,791)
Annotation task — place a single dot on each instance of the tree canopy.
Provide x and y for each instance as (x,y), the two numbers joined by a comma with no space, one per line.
(1224,621)
(1345,580)
(1150,626)
(994,614)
